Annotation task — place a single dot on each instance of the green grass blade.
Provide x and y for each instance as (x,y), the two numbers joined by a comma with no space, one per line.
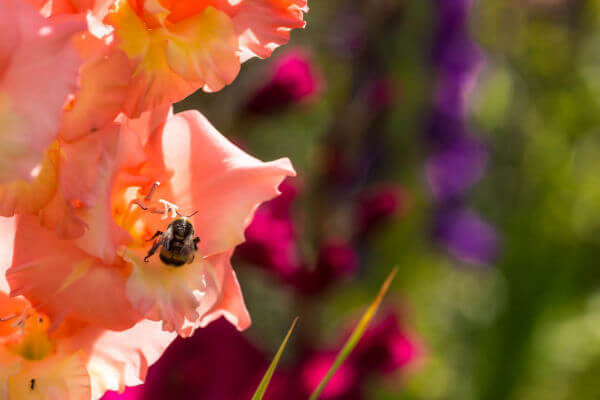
(264,383)
(355,337)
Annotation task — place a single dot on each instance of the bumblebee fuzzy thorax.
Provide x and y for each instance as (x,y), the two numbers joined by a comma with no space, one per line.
(182,228)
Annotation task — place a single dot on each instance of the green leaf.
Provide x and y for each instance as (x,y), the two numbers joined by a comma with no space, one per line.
(355,337)
(262,387)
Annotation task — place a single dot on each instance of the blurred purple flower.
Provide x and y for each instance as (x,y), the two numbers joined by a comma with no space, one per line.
(465,235)
(456,160)
(452,169)
(294,78)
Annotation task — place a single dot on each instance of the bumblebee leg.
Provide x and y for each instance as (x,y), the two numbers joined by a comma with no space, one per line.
(158,233)
(155,186)
(196,240)
(152,250)
(153,210)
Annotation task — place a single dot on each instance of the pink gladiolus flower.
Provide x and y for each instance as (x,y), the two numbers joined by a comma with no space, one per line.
(199,170)
(32,50)
(178,47)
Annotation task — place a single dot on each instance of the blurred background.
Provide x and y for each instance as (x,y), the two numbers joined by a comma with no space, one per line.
(456,140)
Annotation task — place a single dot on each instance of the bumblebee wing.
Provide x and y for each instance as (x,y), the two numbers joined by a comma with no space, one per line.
(166,238)
(190,246)
(189,243)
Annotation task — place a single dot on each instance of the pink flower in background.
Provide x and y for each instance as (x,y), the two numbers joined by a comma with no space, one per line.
(272,244)
(335,260)
(271,237)
(385,349)
(32,50)
(218,362)
(200,171)
(343,385)
(378,204)
(294,78)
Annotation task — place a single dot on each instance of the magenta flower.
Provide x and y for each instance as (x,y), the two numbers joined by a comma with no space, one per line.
(378,204)
(294,78)
(220,363)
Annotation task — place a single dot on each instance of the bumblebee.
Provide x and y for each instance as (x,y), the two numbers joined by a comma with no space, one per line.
(178,243)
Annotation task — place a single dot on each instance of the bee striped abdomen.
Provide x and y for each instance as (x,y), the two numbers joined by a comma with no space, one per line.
(176,254)
(170,258)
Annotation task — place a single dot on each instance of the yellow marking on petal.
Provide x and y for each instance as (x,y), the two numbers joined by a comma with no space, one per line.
(35,346)
(203,47)
(8,118)
(62,376)
(81,268)
(14,145)
(173,60)
(135,37)
(23,197)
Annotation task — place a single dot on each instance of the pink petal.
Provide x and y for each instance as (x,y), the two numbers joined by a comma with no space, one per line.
(60,216)
(186,297)
(30,103)
(60,279)
(105,77)
(119,359)
(104,236)
(7,233)
(231,301)
(264,25)
(170,294)
(79,168)
(217,179)
(49,8)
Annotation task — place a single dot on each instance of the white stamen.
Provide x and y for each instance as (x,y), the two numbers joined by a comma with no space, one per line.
(169,207)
